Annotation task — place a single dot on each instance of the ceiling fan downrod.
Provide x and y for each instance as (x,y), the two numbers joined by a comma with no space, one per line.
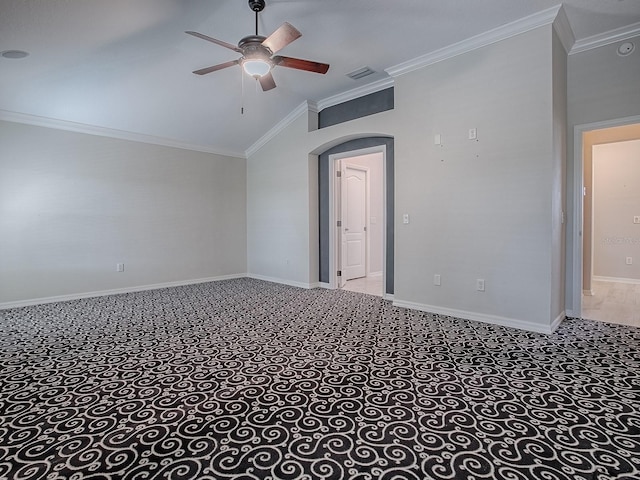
(257,6)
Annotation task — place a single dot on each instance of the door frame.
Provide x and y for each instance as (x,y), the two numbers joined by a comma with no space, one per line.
(578,199)
(333,214)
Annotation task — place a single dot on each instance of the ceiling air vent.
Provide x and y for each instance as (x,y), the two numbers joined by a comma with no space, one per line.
(360,73)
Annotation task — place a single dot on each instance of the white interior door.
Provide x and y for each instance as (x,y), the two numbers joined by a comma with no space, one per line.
(354,222)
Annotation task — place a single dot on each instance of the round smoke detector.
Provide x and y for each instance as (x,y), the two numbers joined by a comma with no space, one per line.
(625,49)
(14,54)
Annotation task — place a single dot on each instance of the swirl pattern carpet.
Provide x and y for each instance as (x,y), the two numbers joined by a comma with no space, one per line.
(246,379)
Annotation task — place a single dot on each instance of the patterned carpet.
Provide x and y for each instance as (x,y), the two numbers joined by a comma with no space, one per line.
(251,380)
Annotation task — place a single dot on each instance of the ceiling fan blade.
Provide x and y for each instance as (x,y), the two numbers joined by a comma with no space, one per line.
(267,82)
(204,71)
(301,64)
(283,36)
(216,41)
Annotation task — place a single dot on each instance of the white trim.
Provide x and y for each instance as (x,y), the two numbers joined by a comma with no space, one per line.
(301,109)
(559,319)
(324,285)
(606,38)
(354,93)
(282,281)
(578,188)
(388,297)
(531,22)
(482,317)
(563,28)
(115,291)
(630,281)
(588,293)
(109,132)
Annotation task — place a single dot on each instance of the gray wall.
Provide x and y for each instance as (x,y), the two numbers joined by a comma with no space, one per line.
(478,209)
(484,208)
(559,173)
(73,205)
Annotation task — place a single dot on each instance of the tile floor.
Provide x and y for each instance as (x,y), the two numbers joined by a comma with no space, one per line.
(371,285)
(613,303)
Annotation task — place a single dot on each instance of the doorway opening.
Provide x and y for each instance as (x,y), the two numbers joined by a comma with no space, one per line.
(605,240)
(380,147)
(358,200)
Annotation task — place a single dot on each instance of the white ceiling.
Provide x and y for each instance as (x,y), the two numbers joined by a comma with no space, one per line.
(126,65)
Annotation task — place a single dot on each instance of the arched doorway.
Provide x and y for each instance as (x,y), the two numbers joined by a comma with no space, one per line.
(327,222)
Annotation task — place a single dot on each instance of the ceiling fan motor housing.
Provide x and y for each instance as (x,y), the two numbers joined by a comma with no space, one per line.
(252,47)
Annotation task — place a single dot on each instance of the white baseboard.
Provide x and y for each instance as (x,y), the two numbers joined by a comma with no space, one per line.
(324,285)
(633,281)
(291,283)
(482,317)
(588,293)
(388,297)
(115,291)
(559,319)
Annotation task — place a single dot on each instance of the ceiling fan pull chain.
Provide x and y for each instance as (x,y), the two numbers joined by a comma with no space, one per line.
(242,93)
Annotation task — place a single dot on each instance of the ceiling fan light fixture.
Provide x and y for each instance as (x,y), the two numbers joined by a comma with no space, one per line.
(256,67)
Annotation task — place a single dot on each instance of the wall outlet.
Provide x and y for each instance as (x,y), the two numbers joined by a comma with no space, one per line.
(119,267)
(405,218)
(629,260)
(480,285)
(636,219)
(473,134)
(436,279)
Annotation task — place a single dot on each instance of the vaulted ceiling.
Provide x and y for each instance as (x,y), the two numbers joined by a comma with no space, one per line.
(126,65)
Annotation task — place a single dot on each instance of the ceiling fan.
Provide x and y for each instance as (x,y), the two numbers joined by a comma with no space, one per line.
(258,52)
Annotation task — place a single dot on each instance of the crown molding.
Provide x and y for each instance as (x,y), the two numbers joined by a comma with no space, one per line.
(56,124)
(355,93)
(563,28)
(301,109)
(606,38)
(313,106)
(544,17)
